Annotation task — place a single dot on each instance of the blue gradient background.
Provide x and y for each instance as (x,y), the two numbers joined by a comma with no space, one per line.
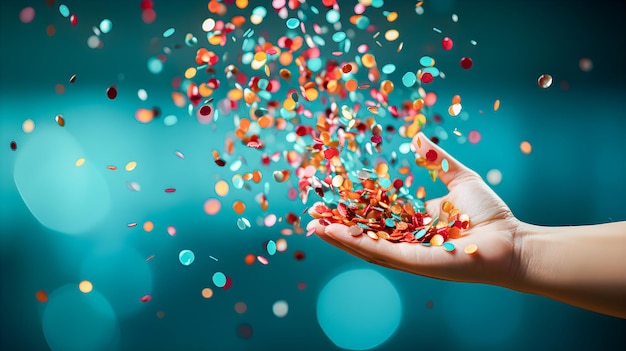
(573,176)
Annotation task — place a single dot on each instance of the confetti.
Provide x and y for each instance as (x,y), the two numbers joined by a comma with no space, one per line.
(525,147)
(471,249)
(219,279)
(544,81)
(112,92)
(41,296)
(85,286)
(494,176)
(186,257)
(145,298)
(60,120)
(447,43)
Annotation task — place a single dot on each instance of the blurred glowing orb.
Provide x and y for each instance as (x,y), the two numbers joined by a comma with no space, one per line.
(494,177)
(280,308)
(60,196)
(76,321)
(352,313)
(85,286)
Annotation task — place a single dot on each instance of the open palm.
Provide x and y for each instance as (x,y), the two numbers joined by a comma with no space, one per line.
(492,229)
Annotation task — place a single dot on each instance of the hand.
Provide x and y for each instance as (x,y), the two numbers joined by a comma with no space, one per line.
(492,227)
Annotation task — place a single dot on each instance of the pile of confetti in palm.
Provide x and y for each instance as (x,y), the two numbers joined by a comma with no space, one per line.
(329,104)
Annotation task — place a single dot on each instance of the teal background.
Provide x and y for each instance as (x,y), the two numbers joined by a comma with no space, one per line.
(574,175)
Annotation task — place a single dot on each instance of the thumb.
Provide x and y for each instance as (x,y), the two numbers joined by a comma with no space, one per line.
(436,159)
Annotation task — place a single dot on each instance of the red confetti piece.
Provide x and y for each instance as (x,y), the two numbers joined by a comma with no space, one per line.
(376,139)
(73,19)
(466,63)
(299,255)
(145,298)
(431,155)
(331,152)
(426,78)
(447,43)
(112,92)
(170,190)
(13,145)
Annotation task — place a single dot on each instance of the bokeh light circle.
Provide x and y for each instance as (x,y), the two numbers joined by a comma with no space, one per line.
(73,320)
(494,176)
(72,199)
(280,308)
(350,304)
(212,206)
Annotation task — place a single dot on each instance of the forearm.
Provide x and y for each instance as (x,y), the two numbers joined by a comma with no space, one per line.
(584,266)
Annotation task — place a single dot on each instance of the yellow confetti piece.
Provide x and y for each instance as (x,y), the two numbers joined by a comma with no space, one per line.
(80,162)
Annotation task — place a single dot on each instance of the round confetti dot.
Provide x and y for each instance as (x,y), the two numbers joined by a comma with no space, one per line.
(186,257)
(80,162)
(392,35)
(27,14)
(431,155)
(448,246)
(445,165)
(241,307)
(171,230)
(250,258)
(281,245)
(471,249)
(409,79)
(73,19)
(85,286)
(93,42)
(170,120)
(155,65)
(112,92)
(221,188)
(145,298)
(106,25)
(293,23)
(280,308)
(525,147)
(64,10)
(130,166)
(585,64)
(142,94)
(544,81)
(148,226)
(466,63)
(28,126)
(447,43)
(494,176)
(207,293)
(473,137)
(219,279)
(244,331)
(41,296)
(212,206)
(271,247)
(426,78)
(148,16)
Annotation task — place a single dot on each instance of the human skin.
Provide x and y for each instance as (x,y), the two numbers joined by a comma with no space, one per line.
(584,266)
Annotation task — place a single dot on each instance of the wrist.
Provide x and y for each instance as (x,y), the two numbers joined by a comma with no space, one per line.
(524,256)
